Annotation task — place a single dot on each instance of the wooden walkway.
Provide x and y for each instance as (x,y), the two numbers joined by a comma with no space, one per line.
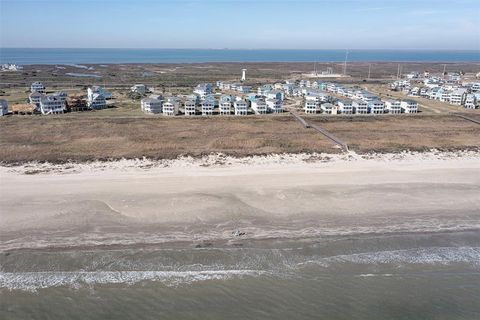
(319,129)
(467,118)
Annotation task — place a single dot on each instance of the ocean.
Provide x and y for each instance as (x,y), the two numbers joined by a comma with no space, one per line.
(24,56)
(404,276)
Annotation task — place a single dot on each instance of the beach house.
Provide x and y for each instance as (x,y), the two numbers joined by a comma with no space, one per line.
(151,105)
(259,106)
(170,107)
(393,106)
(311,106)
(190,107)
(244,88)
(37,86)
(376,107)
(264,89)
(139,88)
(34,98)
(470,101)
(345,106)
(327,108)
(275,94)
(225,105)
(62,95)
(360,107)
(3,107)
(203,89)
(52,104)
(96,101)
(457,97)
(97,89)
(241,107)
(409,106)
(207,107)
(274,105)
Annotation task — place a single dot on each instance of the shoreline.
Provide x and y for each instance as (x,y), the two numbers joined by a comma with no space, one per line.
(235,202)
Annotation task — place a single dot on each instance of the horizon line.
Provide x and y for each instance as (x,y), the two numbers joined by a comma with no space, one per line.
(252,49)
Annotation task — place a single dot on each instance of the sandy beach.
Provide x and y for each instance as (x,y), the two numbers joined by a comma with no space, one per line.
(224,201)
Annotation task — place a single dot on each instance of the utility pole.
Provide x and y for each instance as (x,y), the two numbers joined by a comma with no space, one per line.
(345,64)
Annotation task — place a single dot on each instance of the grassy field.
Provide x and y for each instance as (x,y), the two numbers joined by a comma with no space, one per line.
(82,138)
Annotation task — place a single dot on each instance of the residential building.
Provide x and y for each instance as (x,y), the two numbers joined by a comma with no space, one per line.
(96,101)
(51,105)
(139,88)
(244,88)
(457,97)
(207,106)
(376,107)
(263,90)
(360,106)
(225,105)
(241,107)
(274,105)
(259,106)
(170,107)
(151,105)
(190,107)
(35,97)
(3,107)
(345,106)
(203,89)
(393,106)
(97,89)
(470,101)
(275,94)
(311,106)
(327,108)
(409,106)
(37,86)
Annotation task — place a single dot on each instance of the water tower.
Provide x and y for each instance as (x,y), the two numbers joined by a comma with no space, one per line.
(244,77)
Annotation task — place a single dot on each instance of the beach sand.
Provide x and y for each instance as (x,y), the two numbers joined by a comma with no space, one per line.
(218,200)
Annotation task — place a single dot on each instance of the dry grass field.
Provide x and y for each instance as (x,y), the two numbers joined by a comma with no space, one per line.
(396,133)
(60,138)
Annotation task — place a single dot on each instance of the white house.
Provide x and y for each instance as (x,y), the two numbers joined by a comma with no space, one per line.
(97,89)
(139,88)
(51,105)
(190,107)
(393,106)
(409,106)
(360,106)
(457,97)
(203,89)
(241,107)
(170,107)
(259,106)
(96,101)
(376,107)
(3,107)
(151,105)
(207,107)
(276,94)
(244,88)
(274,105)
(35,97)
(37,86)
(327,108)
(62,95)
(345,106)
(225,105)
(263,90)
(475,87)
(311,106)
(469,101)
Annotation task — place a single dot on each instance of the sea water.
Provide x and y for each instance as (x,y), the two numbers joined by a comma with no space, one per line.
(25,56)
(395,276)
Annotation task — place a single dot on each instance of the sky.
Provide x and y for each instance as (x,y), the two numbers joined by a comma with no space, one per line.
(245,24)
